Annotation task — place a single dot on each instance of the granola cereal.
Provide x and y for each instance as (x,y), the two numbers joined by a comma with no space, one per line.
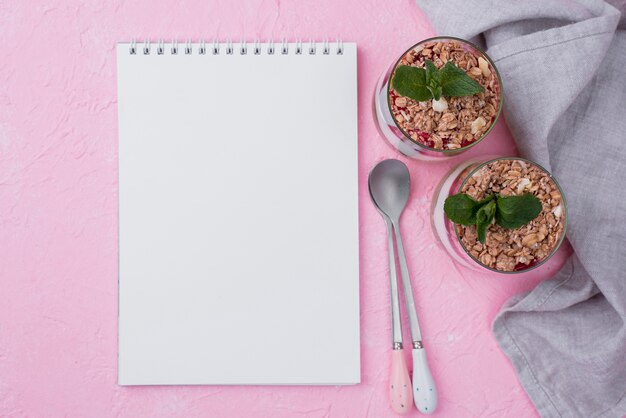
(451,122)
(522,248)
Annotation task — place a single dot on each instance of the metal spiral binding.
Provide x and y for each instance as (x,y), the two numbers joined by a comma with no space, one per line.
(285,48)
(242,47)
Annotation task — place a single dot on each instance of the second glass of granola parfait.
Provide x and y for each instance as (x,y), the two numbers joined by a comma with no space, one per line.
(504,250)
(434,129)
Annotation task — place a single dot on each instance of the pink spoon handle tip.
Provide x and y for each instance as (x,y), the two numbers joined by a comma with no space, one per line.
(400,384)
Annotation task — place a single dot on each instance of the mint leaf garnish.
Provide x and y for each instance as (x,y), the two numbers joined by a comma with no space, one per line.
(510,212)
(456,83)
(516,211)
(484,216)
(486,200)
(411,82)
(461,209)
(426,83)
(433,80)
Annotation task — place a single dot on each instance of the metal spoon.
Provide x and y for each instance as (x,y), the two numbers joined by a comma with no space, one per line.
(390,185)
(400,392)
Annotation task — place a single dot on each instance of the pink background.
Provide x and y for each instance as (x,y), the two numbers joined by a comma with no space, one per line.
(58,220)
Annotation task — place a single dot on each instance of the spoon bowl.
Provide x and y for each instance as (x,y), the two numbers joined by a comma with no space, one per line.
(390,184)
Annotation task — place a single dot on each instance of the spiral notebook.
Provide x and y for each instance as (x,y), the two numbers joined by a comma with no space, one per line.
(238,216)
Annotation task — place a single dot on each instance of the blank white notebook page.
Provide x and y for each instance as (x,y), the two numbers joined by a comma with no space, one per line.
(238,216)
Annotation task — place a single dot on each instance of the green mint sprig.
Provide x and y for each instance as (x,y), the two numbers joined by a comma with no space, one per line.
(426,83)
(510,212)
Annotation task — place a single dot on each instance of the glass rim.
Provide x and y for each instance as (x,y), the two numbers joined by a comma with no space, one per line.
(563,202)
(501,96)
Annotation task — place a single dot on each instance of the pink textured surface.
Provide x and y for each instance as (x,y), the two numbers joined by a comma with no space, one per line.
(58,220)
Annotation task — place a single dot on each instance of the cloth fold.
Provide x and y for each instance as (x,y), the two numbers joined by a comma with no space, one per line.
(563,65)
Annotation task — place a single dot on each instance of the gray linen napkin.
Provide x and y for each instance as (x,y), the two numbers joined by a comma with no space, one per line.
(563,64)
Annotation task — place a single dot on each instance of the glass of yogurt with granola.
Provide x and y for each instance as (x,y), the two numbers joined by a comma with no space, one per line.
(441,97)
(505,214)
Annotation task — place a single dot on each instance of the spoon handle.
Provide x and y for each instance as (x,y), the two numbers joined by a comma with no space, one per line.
(396,324)
(424,390)
(400,389)
(400,383)
(416,334)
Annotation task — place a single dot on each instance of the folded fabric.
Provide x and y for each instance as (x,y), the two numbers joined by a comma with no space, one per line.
(563,65)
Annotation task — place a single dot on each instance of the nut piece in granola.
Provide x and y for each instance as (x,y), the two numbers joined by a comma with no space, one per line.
(440,105)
